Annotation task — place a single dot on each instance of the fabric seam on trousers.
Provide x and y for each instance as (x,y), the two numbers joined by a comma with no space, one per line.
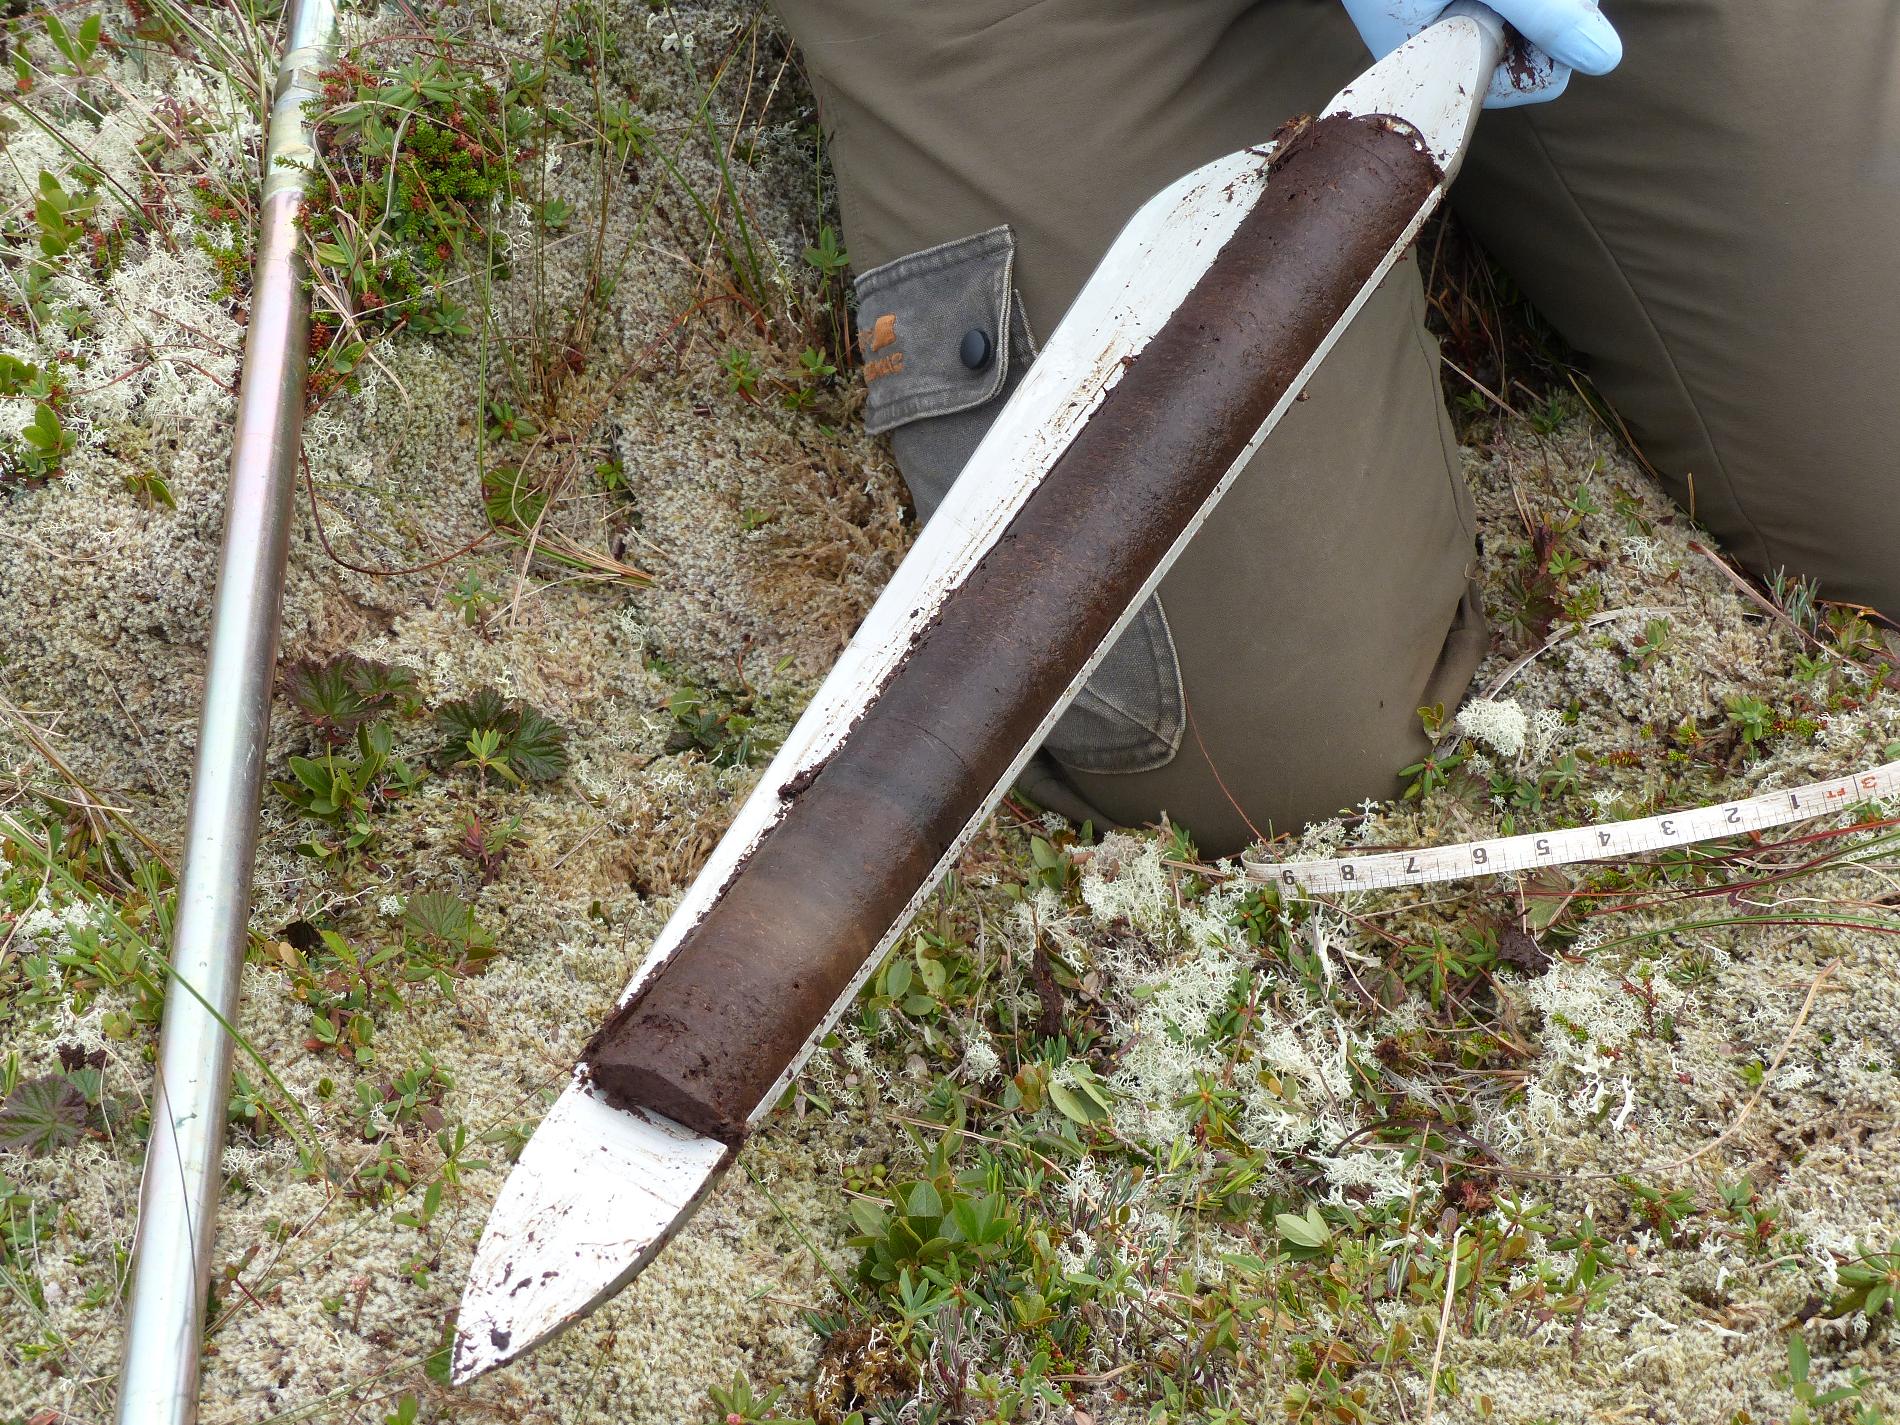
(1662,345)
(1166,665)
(1461,499)
(1019,314)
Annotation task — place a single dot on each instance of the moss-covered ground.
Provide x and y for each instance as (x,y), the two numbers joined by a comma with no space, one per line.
(1116,1135)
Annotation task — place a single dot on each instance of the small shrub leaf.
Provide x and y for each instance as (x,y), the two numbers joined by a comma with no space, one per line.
(43,1115)
(1309,1231)
(537,748)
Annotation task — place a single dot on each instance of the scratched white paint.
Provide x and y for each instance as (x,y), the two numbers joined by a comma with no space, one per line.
(596,1193)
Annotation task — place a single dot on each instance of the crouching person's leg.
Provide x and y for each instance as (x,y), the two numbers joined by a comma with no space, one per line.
(1711,224)
(986,155)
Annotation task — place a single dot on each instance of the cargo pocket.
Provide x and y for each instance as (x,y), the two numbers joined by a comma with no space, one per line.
(944,341)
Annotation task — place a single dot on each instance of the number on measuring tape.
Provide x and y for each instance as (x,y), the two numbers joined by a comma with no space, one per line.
(1583,843)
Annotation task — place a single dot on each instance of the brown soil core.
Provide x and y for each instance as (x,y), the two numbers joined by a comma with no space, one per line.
(710,1033)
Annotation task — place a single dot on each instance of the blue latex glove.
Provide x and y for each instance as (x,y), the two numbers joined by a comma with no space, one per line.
(1563,35)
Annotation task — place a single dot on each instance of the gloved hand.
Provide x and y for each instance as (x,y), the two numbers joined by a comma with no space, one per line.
(1563,35)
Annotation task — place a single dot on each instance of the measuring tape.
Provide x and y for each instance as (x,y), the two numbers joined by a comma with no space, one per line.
(1608,841)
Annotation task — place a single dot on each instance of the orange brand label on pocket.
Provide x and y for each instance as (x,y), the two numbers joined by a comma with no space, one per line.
(883,331)
(884,366)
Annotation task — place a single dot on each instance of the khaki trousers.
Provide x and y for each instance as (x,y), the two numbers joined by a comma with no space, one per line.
(1709,226)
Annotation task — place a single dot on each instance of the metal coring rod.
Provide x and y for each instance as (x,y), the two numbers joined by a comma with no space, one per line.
(178,1198)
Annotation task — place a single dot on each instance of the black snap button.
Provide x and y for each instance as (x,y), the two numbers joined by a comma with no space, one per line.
(975,348)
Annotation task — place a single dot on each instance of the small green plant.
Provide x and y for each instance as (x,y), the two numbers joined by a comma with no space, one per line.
(1443,965)
(1871,1284)
(473,597)
(485,755)
(43,1115)
(828,308)
(1306,1235)
(715,725)
(1810,1400)
(738,1404)
(1430,773)
(512,500)
(409,1097)
(927,1226)
(1654,640)
(150,489)
(624,132)
(417,157)
(742,372)
(827,256)
(1082,1098)
(1752,720)
(506,423)
(78,48)
(344,792)
(23,378)
(814,372)
(443,922)
(1549,415)
(935,974)
(336,696)
(512,741)
(487,843)
(44,443)
(1668,1210)
(1754,1223)
(349,989)
(1543,580)
(1051,868)
(47,443)
(63,217)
